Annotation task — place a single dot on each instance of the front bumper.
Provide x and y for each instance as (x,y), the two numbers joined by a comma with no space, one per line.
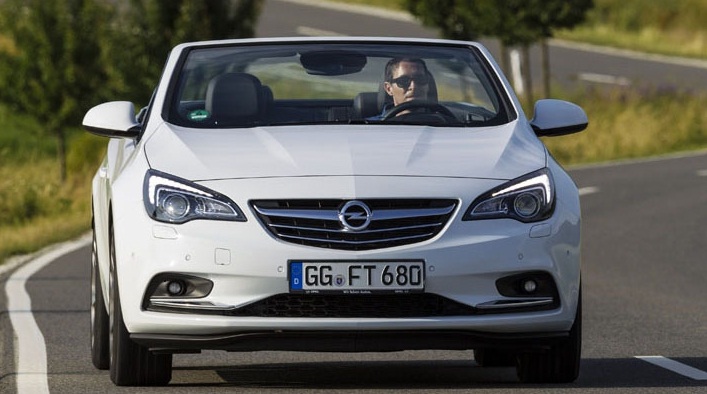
(247,265)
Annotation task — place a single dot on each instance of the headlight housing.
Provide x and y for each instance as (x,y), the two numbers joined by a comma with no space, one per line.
(530,198)
(171,199)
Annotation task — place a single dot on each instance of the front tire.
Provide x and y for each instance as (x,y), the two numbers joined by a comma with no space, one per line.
(558,365)
(100,351)
(130,363)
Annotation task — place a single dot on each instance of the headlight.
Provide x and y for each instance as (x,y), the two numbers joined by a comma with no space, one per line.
(530,198)
(175,200)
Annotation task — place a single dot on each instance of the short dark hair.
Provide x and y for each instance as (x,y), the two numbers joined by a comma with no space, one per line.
(394,62)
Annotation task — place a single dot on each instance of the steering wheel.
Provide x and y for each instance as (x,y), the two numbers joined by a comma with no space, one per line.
(430,106)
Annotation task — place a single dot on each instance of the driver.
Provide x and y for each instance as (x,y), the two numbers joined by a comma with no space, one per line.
(406,79)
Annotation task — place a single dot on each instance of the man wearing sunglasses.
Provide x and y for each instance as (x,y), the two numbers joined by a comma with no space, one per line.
(406,79)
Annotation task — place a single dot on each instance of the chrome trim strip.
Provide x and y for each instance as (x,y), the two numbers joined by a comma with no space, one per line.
(345,242)
(390,214)
(313,214)
(190,304)
(515,303)
(342,231)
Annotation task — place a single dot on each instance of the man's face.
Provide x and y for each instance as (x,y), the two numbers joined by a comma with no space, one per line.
(409,83)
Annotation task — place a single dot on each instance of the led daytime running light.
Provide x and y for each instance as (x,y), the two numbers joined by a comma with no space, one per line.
(156,180)
(542,180)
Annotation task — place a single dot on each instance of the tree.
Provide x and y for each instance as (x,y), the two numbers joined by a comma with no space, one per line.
(554,15)
(148,29)
(48,65)
(456,19)
(514,22)
(60,57)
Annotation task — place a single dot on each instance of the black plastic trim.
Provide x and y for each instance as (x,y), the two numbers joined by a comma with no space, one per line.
(348,341)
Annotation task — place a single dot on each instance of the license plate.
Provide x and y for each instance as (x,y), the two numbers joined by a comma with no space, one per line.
(357,277)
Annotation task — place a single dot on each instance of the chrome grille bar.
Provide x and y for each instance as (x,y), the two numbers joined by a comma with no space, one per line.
(300,213)
(348,242)
(339,231)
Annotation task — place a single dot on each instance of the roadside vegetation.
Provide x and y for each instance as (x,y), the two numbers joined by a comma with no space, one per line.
(628,124)
(668,27)
(37,208)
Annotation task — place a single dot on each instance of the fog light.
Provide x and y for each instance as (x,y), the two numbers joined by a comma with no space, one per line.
(529,286)
(175,288)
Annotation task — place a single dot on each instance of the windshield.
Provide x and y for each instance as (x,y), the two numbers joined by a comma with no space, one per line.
(334,82)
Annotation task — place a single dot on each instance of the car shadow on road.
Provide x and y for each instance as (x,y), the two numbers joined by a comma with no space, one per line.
(439,374)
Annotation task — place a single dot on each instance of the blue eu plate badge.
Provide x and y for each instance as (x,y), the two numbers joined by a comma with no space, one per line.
(296,275)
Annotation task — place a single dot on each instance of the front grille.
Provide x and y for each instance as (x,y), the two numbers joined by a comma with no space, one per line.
(350,306)
(318,222)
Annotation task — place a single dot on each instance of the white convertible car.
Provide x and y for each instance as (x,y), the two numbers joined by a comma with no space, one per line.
(334,194)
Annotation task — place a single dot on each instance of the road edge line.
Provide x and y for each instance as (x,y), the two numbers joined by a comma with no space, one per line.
(30,348)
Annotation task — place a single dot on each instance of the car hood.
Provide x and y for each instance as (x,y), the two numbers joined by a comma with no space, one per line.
(501,152)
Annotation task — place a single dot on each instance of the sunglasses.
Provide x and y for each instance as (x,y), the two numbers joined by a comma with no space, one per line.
(404,81)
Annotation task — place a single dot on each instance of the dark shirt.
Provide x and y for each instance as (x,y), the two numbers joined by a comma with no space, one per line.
(380,116)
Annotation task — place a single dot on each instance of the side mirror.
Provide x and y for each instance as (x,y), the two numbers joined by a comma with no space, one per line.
(113,119)
(558,117)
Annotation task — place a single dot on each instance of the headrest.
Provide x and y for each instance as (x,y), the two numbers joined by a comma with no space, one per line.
(366,104)
(235,97)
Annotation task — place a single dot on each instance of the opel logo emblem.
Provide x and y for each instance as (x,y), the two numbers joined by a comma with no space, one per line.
(355,215)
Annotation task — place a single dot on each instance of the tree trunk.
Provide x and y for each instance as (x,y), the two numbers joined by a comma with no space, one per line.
(504,59)
(61,154)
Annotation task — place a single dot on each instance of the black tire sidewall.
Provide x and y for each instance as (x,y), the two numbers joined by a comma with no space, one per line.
(100,349)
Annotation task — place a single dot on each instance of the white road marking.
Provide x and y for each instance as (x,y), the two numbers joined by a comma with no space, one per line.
(312,32)
(605,79)
(30,347)
(702,173)
(674,366)
(588,190)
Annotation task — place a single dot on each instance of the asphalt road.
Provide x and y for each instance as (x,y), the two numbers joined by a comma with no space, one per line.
(643,272)
(644,295)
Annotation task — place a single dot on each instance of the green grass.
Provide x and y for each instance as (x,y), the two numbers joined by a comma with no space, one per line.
(666,27)
(22,139)
(626,124)
(36,208)
(395,5)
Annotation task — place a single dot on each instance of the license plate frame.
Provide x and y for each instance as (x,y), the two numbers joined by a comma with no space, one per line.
(356,277)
